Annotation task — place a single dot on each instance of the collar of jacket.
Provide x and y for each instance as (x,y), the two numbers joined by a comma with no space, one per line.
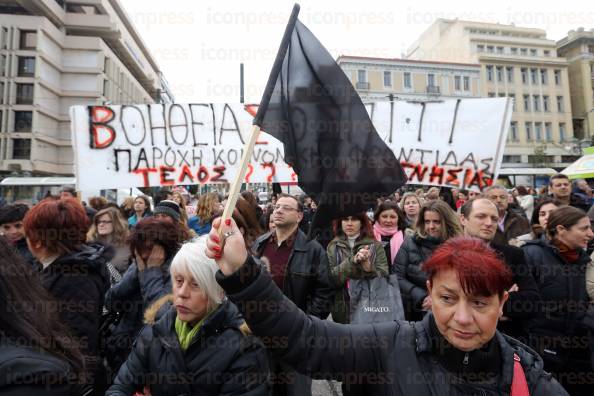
(583,258)
(343,242)
(300,243)
(530,360)
(225,316)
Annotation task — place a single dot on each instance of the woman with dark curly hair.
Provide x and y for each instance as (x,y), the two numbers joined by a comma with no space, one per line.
(36,356)
(153,243)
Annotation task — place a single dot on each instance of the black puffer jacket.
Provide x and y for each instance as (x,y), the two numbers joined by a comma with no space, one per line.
(307,282)
(221,360)
(78,281)
(562,288)
(129,299)
(27,371)
(393,358)
(413,252)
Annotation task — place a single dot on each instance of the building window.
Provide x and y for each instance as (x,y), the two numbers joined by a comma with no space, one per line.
(544,76)
(545,103)
(547,53)
(4,38)
(2,65)
(480,48)
(536,103)
(23,121)
(491,94)
(499,73)
(514,131)
(1,93)
(538,131)
(490,49)
(431,80)
(387,78)
(489,73)
(512,159)
(407,80)
(528,127)
(457,83)
(21,149)
(500,50)
(533,52)
(467,83)
(509,70)
(548,132)
(28,40)
(557,77)
(561,131)
(26,66)
(560,107)
(24,94)
(526,102)
(524,75)
(106,87)
(361,76)
(514,50)
(534,76)
(523,51)
(513,98)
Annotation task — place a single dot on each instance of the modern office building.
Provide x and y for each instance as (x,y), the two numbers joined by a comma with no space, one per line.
(55,54)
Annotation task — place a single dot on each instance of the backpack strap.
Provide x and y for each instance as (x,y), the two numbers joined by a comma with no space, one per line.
(519,385)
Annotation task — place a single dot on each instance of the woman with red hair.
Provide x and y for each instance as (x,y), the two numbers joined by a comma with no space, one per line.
(353,254)
(73,272)
(455,350)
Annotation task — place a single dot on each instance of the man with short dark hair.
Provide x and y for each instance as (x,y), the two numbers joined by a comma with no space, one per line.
(11,227)
(300,269)
(510,224)
(480,219)
(560,188)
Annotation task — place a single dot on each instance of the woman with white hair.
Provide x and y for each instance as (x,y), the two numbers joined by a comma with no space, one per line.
(199,342)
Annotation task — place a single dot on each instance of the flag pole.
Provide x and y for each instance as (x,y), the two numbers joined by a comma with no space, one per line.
(249,147)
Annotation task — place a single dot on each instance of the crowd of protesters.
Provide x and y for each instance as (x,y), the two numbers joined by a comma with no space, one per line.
(127,300)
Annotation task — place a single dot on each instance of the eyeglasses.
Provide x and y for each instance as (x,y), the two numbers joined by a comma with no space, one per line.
(284,208)
(104,222)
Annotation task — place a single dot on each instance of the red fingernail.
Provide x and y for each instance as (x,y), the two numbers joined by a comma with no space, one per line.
(215,238)
(216,248)
(218,256)
(228,222)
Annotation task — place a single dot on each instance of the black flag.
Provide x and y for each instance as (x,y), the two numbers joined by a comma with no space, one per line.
(311,106)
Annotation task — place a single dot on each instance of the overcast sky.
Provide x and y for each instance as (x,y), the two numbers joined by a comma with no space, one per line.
(199,44)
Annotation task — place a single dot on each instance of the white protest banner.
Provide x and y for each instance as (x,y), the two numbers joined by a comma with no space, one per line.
(450,143)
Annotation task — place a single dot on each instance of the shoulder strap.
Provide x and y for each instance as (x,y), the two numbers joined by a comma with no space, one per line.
(519,385)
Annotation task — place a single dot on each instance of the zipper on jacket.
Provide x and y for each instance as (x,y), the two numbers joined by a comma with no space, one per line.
(466,359)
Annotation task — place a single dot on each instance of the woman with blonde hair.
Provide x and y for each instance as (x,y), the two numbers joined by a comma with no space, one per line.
(194,333)
(411,205)
(109,227)
(437,223)
(179,199)
(208,207)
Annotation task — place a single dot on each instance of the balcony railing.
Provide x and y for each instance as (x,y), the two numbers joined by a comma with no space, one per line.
(433,89)
(362,85)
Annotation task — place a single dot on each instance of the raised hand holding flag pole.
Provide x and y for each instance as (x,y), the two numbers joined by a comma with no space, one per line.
(310,105)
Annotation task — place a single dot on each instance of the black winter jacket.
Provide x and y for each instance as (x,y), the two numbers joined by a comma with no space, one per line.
(562,288)
(129,299)
(413,252)
(78,281)
(27,371)
(393,358)
(306,282)
(221,360)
